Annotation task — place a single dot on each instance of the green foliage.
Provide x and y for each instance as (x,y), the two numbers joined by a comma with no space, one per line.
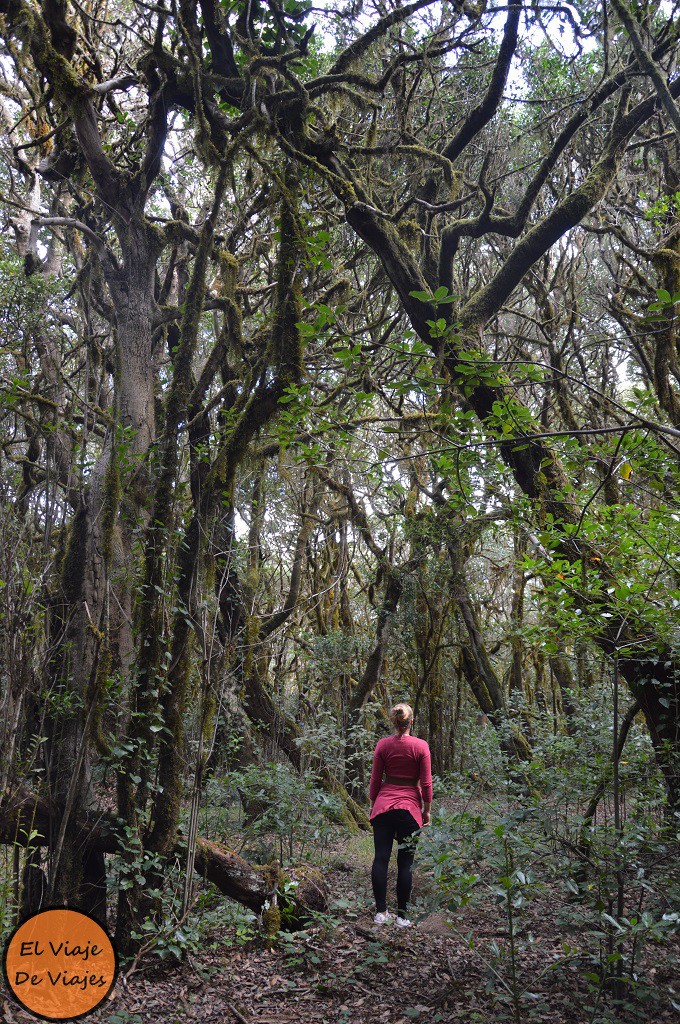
(168,935)
(25,300)
(658,210)
(321,742)
(285,809)
(637,547)
(526,855)
(123,1016)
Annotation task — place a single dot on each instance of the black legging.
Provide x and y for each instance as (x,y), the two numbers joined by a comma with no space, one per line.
(400,823)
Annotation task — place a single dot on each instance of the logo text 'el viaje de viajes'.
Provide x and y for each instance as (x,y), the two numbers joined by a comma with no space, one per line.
(60,964)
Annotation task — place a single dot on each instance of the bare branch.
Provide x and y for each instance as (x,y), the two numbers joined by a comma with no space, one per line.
(647,64)
(484,111)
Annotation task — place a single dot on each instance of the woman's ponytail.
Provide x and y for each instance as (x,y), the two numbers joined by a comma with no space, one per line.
(401,717)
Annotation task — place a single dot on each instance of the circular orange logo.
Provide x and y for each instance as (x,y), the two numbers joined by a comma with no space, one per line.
(60,964)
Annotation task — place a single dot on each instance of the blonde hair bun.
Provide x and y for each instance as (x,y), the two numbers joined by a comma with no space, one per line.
(401,716)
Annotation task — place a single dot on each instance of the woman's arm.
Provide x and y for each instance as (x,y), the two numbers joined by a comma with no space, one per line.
(426,783)
(376,775)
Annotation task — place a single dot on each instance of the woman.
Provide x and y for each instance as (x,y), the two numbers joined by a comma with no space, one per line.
(400,806)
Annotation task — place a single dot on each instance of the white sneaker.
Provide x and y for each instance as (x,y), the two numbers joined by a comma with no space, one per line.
(382,917)
(403,922)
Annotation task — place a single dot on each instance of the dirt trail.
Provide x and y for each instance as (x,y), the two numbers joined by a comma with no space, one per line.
(348,970)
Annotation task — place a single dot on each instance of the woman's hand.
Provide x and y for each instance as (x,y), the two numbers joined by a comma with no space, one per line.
(426,818)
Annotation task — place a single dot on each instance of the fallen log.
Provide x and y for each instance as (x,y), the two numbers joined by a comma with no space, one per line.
(251,885)
(27,821)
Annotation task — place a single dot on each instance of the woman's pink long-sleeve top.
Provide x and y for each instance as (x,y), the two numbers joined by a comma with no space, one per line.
(403,757)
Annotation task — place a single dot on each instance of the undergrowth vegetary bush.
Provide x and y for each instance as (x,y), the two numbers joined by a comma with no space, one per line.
(613,895)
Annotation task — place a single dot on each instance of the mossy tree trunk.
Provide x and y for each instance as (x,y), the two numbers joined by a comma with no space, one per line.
(79,621)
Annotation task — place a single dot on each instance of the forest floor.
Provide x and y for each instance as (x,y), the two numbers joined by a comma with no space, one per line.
(345,969)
